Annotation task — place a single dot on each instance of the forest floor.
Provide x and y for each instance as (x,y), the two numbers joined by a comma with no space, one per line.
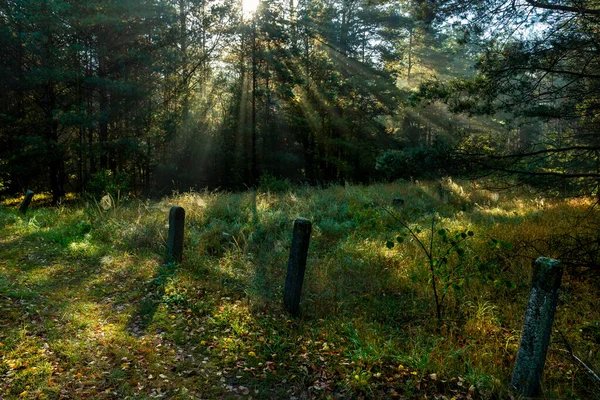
(89,308)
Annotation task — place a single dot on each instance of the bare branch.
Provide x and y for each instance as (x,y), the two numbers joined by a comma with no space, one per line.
(563,175)
(539,152)
(558,7)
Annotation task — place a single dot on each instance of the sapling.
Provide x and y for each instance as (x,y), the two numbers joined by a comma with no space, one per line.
(438,253)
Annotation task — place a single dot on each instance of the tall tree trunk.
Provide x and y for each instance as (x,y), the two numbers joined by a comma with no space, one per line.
(80,153)
(55,162)
(410,55)
(267,131)
(253,161)
(89,73)
(344,28)
(185,99)
(294,28)
(311,152)
(104,108)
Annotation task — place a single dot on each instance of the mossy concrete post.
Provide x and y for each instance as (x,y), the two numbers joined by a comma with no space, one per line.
(297,266)
(539,316)
(175,240)
(26,202)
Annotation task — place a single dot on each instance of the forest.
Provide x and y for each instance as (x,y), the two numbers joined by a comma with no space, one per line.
(153,96)
(160,160)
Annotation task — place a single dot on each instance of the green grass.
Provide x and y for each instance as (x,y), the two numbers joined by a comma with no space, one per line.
(89,309)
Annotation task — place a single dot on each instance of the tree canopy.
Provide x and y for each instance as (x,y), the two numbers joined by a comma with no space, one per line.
(154,95)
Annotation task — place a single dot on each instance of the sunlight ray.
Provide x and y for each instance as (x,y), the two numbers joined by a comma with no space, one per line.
(249,7)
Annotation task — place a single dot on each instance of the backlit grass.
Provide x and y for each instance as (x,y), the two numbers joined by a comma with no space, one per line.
(89,309)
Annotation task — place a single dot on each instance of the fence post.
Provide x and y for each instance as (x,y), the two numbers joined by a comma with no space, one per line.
(175,240)
(26,202)
(539,316)
(297,266)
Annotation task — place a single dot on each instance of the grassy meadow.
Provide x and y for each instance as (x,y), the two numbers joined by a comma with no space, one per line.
(89,309)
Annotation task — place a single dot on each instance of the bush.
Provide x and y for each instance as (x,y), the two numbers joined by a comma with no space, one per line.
(105,182)
(269,183)
(419,162)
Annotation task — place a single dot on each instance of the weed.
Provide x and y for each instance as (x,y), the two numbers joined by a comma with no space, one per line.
(439,253)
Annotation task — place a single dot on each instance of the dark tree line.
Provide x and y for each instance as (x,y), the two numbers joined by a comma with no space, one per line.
(154,95)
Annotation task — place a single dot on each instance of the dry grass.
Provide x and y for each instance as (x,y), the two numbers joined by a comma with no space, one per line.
(89,310)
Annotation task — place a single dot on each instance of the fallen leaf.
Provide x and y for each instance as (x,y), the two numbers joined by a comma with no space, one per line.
(244,390)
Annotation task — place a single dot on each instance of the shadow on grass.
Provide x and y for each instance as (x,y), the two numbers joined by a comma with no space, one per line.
(151,300)
(353,295)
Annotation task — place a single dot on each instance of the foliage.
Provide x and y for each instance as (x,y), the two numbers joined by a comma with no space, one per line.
(536,65)
(104,182)
(88,307)
(269,183)
(445,257)
(418,162)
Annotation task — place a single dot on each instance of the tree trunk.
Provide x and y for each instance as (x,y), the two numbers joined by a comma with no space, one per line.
(253,161)
(103,102)
(55,161)
(410,50)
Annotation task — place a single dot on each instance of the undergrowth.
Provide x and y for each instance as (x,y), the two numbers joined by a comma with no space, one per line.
(89,309)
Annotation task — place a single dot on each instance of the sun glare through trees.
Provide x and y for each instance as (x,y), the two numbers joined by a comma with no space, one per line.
(436,148)
(249,7)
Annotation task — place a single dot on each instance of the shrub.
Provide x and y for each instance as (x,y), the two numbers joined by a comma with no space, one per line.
(106,182)
(269,183)
(419,162)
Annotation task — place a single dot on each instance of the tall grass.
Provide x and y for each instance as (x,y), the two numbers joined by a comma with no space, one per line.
(368,325)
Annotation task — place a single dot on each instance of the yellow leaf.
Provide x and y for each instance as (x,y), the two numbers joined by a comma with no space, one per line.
(252,354)
(23,394)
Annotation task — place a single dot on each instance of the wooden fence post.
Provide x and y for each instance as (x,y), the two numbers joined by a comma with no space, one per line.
(26,202)
(297,266)
(176,228)
(539,316)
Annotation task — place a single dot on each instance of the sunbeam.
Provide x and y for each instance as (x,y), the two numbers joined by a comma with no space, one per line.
(249,7)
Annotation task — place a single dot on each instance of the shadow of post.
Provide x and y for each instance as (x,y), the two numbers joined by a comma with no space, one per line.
(155,290)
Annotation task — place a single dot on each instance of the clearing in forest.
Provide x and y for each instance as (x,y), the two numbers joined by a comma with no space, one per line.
(89,309)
